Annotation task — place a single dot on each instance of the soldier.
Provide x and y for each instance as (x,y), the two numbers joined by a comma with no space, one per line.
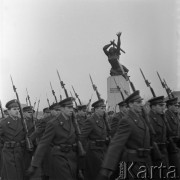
(94,132)
(157,106)
(131,143)
(117,117)
(60,134)
(172,118)
(113,57)
(49,114)
(173,125)
(13,135)
(81,115)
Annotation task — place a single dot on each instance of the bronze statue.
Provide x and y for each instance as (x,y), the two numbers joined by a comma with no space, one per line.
(113,54)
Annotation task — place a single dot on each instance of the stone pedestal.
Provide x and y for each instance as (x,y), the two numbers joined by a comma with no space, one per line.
(113,94)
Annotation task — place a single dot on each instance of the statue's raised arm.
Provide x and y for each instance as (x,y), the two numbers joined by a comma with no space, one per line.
(113,52)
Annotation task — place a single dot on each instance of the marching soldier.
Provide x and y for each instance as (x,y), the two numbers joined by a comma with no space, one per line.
(131,143)
(94,132)
(13,135)
(49,114)
(173,125)
(157,106)
(60,134)
(172,118)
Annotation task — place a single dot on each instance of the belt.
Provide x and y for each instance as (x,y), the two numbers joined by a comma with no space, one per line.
(141,152)
(66,147)
(13,144)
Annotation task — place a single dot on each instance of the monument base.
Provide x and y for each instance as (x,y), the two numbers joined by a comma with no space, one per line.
(113,94)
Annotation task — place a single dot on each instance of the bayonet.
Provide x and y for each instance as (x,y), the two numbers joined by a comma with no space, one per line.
(77,96)
(62,84)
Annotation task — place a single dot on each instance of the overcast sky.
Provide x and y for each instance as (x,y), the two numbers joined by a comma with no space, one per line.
(38,37)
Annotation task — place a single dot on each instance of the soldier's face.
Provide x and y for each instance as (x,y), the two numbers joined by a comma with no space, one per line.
(174,108)
(67,110)
(123,109)
(55,112)
(28,114)
(14,112)
(136,106)
(160,108)
(47,114)
(100,110)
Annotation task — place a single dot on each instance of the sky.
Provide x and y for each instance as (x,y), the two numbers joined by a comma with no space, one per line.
(39,37)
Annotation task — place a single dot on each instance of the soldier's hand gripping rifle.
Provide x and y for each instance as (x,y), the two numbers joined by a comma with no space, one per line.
(62,84)
(81,150)
(148,84)
(119,89)
(29,144)
(77,96)
(53,92)
(156,153)
(2,112)
(95,88)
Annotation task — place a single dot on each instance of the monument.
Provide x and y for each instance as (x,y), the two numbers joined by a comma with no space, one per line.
(117,84)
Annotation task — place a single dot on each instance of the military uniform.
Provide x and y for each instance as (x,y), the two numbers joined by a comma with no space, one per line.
(94,133)
(131,143)
(173,135)
(160,137)
(13,136)
(60,134)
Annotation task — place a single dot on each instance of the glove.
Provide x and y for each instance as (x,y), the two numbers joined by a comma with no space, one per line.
(31,170)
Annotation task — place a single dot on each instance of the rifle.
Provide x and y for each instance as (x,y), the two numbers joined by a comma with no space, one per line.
(35,103)
(148,84)
(168,90)
(156,153)
(163,85)
(62,84)
(53,92)
(73,99)
(48,101)
(28,97)
(81,150)
(108,128)
(29,144)
(172,148)
(26,101)
(95,88)
(37,109)
(2,112)
(119,89)
(77,96)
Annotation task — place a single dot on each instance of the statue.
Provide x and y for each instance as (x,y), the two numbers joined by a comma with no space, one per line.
(113,57)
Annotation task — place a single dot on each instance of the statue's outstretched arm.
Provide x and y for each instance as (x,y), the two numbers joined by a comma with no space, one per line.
(118,42)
